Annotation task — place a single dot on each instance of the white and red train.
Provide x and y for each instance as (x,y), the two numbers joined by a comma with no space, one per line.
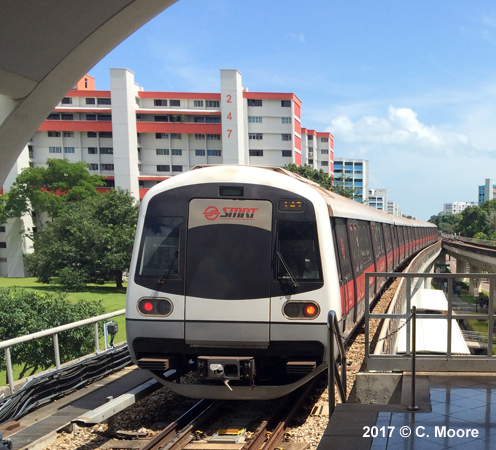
(235,268)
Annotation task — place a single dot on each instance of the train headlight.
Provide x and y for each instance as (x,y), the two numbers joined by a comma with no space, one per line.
(301,310)
(155,306)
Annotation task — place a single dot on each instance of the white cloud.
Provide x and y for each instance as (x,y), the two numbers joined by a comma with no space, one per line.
(400,128)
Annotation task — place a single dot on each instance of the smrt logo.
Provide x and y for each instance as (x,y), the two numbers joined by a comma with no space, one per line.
(212,213)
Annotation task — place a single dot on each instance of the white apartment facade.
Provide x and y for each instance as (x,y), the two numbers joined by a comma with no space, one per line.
(136,138)
(378,199)
(457,207)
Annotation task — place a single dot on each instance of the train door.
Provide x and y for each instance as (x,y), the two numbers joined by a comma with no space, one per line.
(226,281)
(346,281)
(356,259)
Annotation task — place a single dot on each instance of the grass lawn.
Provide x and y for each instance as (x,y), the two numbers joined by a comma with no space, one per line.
(113,300)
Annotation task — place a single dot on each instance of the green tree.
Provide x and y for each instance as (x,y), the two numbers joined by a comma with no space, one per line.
(46,189)
(474,220)
(24,312)
(89,241)
(447,223)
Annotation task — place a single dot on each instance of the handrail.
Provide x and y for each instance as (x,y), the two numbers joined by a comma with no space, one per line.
(54,332)
(333,370)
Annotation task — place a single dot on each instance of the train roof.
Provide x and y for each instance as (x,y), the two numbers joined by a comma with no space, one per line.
(337,205)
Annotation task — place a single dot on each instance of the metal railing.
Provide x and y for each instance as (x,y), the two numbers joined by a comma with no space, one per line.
(388,360)
(54,332)
(335,339)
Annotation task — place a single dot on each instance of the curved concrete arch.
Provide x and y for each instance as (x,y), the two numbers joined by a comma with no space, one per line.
(47,47)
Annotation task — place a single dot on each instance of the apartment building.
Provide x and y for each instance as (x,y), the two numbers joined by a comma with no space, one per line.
(136,138)
(456,207)
(487,191)
(355,173)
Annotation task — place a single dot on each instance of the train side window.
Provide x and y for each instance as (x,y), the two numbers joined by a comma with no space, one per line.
(387,238)
(342,249)
(365,246)
(160,247)
(379,239)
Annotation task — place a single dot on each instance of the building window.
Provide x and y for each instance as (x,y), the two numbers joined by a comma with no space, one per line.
(161,118)
(324,139)
(67,116)
(55,150)
(90,101)
(213,103)
(310,161)
(175,102)
(310,138)
(199,152)
(212,119)
(67,101)
(107,167)
(161,136)
(255,136)
(213,137)
(3,244)
(286,137)
(2,229)
(287,153)
(286,120)
(198,103)
(93,167)
(200,137)
(68,134)
(254,119)
(286,103)
(324,152)
(176,136)
(177,168)
(163,168)
(105,117)
(177,151)
(199,119)
(254,102)
(90,116)
(53,116)
(214,152)
(69,150)
(324,163)
(106,151)
(104,101)
(256,152)
(162,151)
(92,151)
(158,102)
(53,133)
(106,134)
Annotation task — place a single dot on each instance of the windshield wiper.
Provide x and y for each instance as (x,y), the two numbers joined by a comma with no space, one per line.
(167,270)
(288,282)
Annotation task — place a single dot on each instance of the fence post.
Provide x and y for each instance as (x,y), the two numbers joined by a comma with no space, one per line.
(10,375)
(97,342)
(413,406)
(56,349)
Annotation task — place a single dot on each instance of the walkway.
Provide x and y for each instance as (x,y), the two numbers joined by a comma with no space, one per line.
(454,412)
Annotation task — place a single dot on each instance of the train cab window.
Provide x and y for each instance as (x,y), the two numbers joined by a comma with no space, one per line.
(160,247)
(298,248)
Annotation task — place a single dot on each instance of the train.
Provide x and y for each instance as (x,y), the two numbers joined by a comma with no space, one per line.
(235,269)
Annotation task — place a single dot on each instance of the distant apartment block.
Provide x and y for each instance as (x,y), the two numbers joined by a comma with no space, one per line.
(487,191)
(393,209)
(456,207)
(136,138)
(378,199)
(355,173)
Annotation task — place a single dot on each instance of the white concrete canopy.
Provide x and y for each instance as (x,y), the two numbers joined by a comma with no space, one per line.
(46,47)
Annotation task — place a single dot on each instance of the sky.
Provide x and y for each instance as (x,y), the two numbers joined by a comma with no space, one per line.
(409,85)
